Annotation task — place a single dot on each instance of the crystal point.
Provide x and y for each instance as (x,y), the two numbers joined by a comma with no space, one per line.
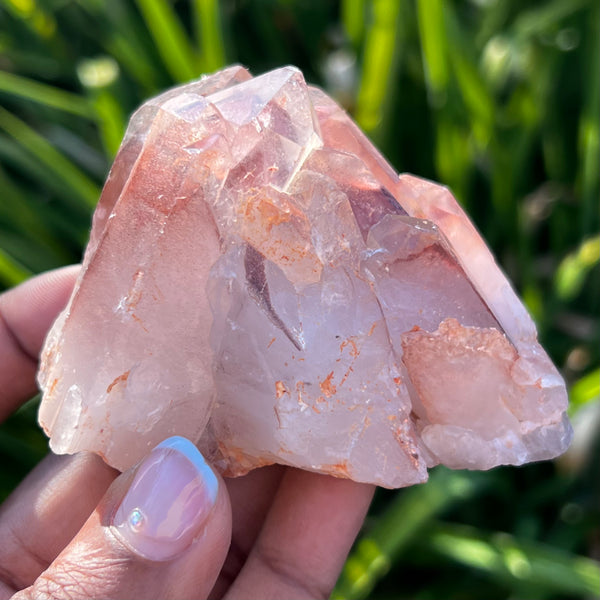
(259,280)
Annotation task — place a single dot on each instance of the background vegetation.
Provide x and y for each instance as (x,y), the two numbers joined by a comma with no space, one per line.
(499,99)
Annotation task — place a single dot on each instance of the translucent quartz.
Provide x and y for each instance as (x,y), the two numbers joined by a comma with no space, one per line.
(259,280)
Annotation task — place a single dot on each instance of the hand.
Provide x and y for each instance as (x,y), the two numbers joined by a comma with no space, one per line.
(275,533)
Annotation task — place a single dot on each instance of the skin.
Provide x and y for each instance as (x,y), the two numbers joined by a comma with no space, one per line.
(275,533)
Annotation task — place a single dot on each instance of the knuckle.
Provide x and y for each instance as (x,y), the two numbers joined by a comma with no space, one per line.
(20,557)
(68,580)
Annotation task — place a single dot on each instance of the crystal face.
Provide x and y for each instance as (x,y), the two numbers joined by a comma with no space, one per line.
(259,280)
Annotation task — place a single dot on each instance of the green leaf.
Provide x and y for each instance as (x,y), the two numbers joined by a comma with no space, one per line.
(573,269)
(588,178)
(381,46)
(45,94)
(545,17)
(471,83)
(453,155)
(398,526)
(29,12)
(111,121)
(432,33)
(170,39)
(353,18)
(11,271)
(209,33)
(99,77)
(123,37)
(70,175)
(30,221)
(515,563)
(584,390)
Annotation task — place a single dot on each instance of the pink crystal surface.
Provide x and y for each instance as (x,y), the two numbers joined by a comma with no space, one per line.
(259,280)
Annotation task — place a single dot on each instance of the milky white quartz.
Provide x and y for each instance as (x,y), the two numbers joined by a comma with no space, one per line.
(260,280)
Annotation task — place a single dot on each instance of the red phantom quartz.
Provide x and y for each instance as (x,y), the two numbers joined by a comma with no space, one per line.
(259,280)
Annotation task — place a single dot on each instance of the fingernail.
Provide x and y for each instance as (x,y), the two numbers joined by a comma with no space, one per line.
(168,502)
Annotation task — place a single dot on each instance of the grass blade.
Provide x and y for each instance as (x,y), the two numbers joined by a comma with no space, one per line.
(472,85)
(398,526)
(209,33)
(71,176)
(453,156)
(353,18)
(545,17)
(45,94)
(381,44)
(573,269)
(111,121)
(584,390)
(588,178)
(432,33)
(122,37)
(99,77)
(38,20)
(515,563)
(128,55)
(28,220)
(170,39)
(12,272)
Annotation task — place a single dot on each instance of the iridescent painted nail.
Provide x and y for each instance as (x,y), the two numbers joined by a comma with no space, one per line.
(167,504)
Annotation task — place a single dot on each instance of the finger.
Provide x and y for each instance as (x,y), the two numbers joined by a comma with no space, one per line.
(26,313)
(251,498)
(161,531)
(305,538)
(47,509)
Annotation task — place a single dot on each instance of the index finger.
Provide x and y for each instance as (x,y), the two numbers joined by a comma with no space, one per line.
(26,314)
(305,539)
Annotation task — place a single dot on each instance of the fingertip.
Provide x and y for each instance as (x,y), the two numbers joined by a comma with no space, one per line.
(166,507)
(30,308)
(26,313)
(161,530)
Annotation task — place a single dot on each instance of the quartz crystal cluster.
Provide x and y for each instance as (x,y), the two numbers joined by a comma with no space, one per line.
(260,280)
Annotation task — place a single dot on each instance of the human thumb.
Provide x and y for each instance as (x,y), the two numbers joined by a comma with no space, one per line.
(161,531)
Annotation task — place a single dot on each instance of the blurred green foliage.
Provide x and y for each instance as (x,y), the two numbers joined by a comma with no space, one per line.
(499,99)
